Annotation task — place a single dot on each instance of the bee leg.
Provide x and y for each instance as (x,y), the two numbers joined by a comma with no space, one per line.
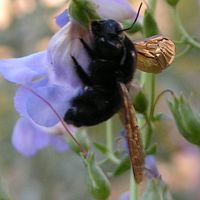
(88,49)
(81,73)
(125,71)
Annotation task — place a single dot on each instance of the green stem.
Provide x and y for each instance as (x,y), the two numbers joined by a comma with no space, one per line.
(184,51)
(109,136)
(148,133)
(182,30)
(109,143)
(147,81)
(133,188)
(152,93)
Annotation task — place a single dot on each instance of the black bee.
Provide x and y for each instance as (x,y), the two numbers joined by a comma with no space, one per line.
(113,60)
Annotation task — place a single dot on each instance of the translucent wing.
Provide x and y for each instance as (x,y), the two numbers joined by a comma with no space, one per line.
(135,147)
(154,53)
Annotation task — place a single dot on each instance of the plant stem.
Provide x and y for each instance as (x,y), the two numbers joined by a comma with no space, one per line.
(182,30)
(133,188)
(109,136)
(184,51)
(147,81)
(109,142)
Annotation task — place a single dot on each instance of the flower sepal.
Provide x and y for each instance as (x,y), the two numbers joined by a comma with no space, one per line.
(83,11)
(150,27)
(186,118)
(97,181)
(140,102)
(156,189)
(172,2)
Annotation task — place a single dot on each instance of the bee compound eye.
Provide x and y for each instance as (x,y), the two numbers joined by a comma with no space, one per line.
(96,27)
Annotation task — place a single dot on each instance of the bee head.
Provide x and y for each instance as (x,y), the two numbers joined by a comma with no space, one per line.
(108,38)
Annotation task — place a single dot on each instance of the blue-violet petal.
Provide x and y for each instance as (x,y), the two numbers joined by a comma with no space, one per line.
(23,70)
(27,138)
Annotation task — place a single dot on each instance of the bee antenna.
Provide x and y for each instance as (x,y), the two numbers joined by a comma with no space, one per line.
(138,12)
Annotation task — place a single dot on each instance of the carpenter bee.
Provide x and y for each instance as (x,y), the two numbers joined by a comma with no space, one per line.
(113,61)
(112,65)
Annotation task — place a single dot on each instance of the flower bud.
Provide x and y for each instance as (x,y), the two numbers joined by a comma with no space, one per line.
(172,2)
(98,183)
(150,27)
(84,11)
(156,189)
(187,119)
(140,102)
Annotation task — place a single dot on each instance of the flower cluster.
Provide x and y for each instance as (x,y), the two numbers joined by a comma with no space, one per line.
(48,78)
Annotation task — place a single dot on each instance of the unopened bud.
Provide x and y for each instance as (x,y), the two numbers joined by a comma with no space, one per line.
(187,119)
(156,189)
(97,181)
(140,102)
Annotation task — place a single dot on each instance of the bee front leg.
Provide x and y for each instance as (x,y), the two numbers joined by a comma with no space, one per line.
(88,49)
(81,73)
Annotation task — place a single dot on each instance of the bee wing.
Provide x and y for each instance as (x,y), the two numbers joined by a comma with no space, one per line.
(154,54)
(135,147)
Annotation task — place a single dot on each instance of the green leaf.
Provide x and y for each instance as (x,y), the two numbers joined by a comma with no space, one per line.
(123,166)
(152,150)
(150,27)
(97,181)
(156,190)
(83,11)
(102,148)
(172,2)
(160,117)
(136,28)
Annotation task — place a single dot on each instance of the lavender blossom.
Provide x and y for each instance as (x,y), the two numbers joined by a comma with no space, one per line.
(50,75)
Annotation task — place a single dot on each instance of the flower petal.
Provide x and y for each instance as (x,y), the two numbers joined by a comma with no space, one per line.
(118,10)
(27,138)
(62,46)
(125,196)
(40,110)
(62,19)
(150,164)
(22,96)
(59,143)
(23,70)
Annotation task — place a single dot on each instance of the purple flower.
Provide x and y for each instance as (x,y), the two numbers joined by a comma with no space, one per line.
(151,173)
(124,196)
(151,167)
(49,76)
